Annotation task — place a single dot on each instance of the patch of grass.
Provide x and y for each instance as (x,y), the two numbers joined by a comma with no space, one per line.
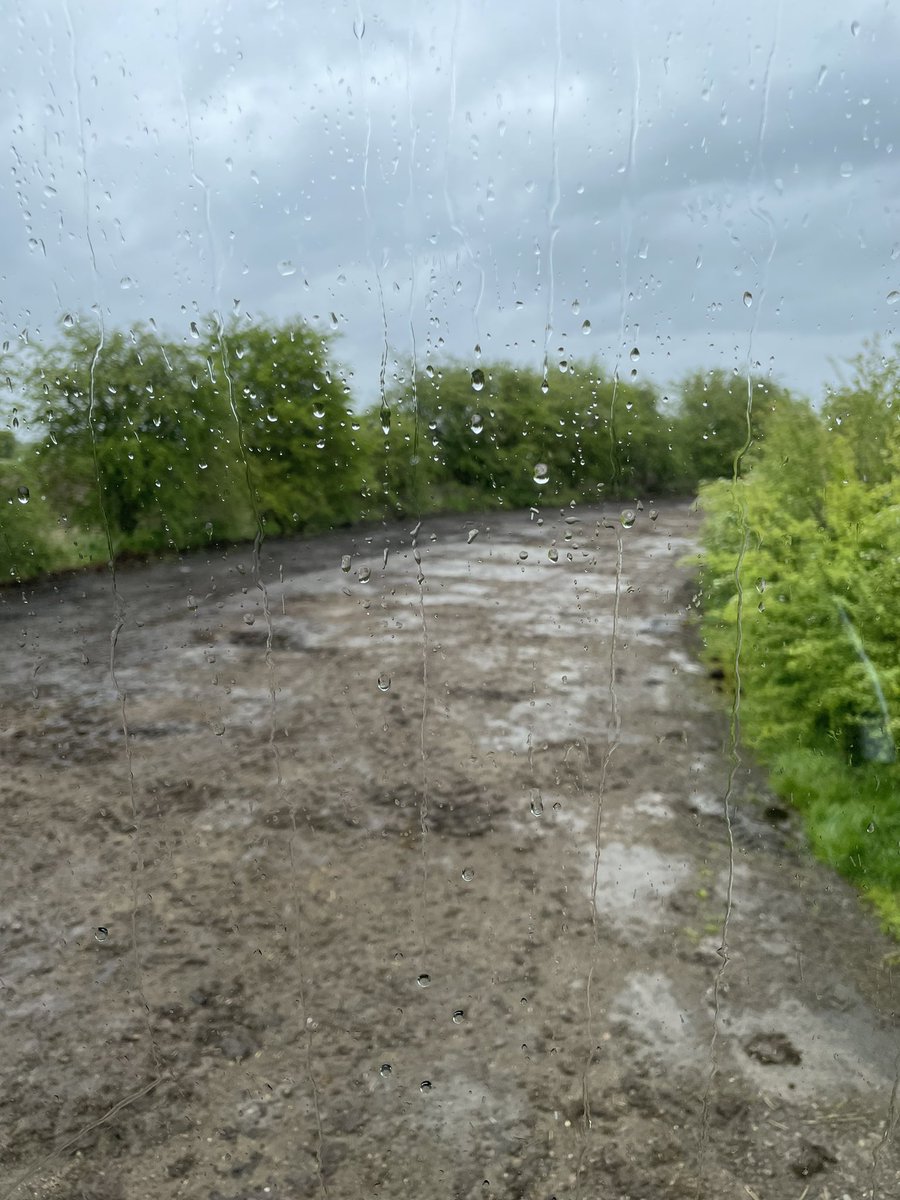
(853,819)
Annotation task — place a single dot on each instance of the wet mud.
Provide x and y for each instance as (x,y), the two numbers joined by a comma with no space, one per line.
(400,867)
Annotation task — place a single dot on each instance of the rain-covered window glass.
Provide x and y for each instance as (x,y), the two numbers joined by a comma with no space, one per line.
(450,551)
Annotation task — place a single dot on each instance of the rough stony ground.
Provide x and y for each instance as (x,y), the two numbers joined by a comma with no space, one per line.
(425,897)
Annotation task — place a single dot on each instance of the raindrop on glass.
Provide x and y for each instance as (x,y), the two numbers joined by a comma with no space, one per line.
(346,563)
(893,297)
(471,536)
(477,423)
(22,494)
(635,354)
(468,874)
(424,981)
(425,1085)
(101,934)
(477,379)
(653,514)
(585,327)
(384,1070)
(747,298)
(384,683)
(541,474)
(553,554)
(854,28)
(286,268)
(458,1017)
(628,517)
(537,803)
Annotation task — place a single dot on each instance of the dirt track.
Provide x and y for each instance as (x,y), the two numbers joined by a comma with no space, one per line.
(422,900)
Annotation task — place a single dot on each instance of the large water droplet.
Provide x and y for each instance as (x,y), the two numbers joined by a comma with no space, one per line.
(541,474)
(846,170)
(424,980)
(384,1070)
(286,268)
(628,517)
(893,297)
(585,327)
(477,423)
(22,494)
(747,298)
(425,1085)
(101,934)
(477,379)
(635,354)
(383,683)
(458,1017)
(471,536)
(468,874)
(346,563)
(553,554)
(537,803)
(854,28)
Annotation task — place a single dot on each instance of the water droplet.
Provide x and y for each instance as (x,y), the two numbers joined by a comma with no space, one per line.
(477,379)
(541,474)
(346,563)
(424,981)
(545,386)
(101,934)
(553,554)
(384,1070)
(458,1017)
(537,803)
(854,28)
(653,514)
(893,297)
(471,536)
(286,268)
(468,874)
(249,619)
(68,320)
(823,71)
(126,283)
(523,554)
(635,354)
(22,494)
(846,170)
(576,307)
(384,683)
(477,423)
(628,517)
(363,574)
(747,299)
(425,1085)
(585,327)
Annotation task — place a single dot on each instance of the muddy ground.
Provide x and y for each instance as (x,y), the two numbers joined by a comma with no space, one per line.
(416,888)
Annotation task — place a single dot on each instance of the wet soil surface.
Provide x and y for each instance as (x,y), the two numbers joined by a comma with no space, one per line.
(415,886)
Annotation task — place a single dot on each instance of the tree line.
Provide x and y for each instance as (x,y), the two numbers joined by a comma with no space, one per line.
(147,444)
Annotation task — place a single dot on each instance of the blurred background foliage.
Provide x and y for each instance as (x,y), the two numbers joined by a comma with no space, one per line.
(140,445)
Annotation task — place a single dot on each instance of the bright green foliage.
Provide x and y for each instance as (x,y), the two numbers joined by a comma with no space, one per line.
(295,421)
(138,442)
(505,439)
(801,575)
(714,423)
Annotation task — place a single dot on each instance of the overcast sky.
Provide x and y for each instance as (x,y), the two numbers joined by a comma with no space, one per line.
(569,180)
